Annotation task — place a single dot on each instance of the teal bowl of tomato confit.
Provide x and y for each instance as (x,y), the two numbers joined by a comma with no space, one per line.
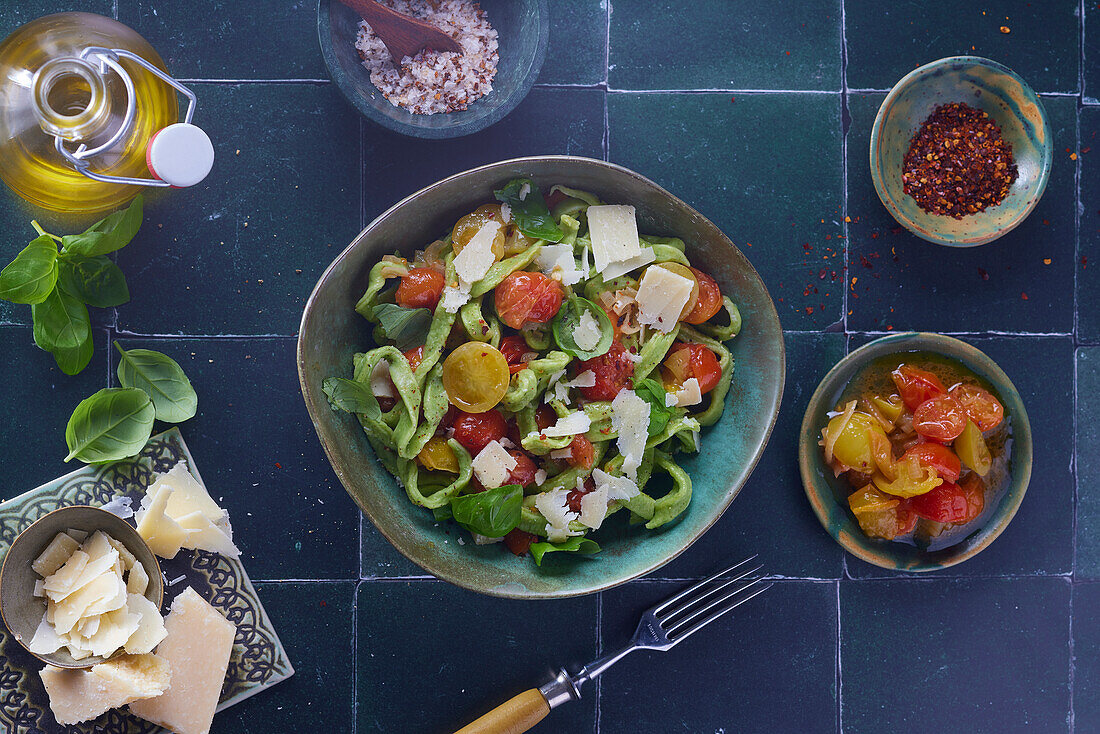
(1010,103)
(926,546)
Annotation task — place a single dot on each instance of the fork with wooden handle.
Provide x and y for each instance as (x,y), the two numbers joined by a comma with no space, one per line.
(660,628)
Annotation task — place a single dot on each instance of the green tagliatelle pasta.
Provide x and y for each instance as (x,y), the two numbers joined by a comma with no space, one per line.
(526,420)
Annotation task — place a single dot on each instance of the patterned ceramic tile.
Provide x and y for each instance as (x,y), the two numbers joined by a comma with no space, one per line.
(240,252)
(1019,283)
(564,121)
(754,187)
(981,655)
(1088,250)
(316,618)
(773,495)
(1039,40)
(472,652)
(1088,463)
(1039,539)
(730,676)
(262,457)
(223,39)
(764,44)
(578,43)
(258,660)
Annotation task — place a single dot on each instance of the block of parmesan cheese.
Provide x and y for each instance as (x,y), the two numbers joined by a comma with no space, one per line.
(80,695)
(197,648)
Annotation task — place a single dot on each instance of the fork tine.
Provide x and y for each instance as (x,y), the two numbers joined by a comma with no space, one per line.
(691,589)
(679,637)
(688,605)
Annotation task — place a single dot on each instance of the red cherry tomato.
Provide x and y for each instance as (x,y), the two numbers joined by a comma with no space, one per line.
(415,357)
(939,457)
(421,288)
(980,405)
(573,499)
(940,418)
(945,503)
(524,472)
(475,430)
(701,364)
(545,417)
(527,298)
(907,518)
(916,385)
(519,542)
(584,453)
(974,490)
(710,299)
(614,371)
(513,348)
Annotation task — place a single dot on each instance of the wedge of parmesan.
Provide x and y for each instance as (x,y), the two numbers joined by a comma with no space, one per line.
(80,695)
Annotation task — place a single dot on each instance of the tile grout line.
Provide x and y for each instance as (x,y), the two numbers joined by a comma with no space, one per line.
(606,103)
(1072,664)
(355,657)
(845,128)
(839,669)
(599,653)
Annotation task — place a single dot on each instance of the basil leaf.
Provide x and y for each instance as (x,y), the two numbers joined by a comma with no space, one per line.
(575,544)
(529,210)
(442,513)
(61,321)
(73,360)
(95,280)
(406,327)
(108,234)
(32,275)
(113,424)
(163,381)
(654,393)
(492,513)
(351,396)
(567,320)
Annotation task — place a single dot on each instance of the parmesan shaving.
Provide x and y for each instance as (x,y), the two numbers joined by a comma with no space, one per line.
(569,425)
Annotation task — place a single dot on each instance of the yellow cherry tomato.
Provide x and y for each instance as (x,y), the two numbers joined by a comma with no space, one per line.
(684,272)
(912,479)
(475,376)
(471,224)
(853,443)
(438,456)
(971,447)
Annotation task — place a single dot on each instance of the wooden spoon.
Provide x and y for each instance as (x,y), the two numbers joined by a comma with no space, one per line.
(403,36)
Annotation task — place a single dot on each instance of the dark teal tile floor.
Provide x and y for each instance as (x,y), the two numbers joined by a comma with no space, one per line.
(757,113)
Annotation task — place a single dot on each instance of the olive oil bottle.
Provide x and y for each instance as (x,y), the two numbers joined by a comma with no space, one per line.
(81,99)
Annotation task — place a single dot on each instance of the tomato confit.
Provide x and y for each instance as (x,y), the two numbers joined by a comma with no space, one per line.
(924,449)
(538,366)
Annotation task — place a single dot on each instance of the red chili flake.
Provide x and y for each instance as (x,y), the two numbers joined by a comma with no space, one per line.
(958,163)
(788,53)
(809,309)
(278,465)
(322,603)
(1023,296)
(1084,262)
(874,235)
(982,274)
(733,99)
(1086,149)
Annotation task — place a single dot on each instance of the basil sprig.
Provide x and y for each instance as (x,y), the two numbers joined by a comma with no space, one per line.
(492,513)
(567,320)
(162,379)
(60,285)
(653,392)
(351,396)
(576,544)
(406,327)
(529,210)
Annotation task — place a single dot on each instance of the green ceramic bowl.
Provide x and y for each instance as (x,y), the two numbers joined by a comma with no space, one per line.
(523,28)
(988,86)
(22,611)
(828,494)
(331,332)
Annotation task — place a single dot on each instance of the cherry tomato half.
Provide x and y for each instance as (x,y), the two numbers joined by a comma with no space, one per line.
(939,457)
(916,385)
(710,299)
(974,490)
(614,371)
(940,418)
(907,518)
(584,453)
(465,229)
(980,405)
(527,298)
(475,376)
(437,455)
(513,348)
(415,357)
(421,288)
(945,503)
(686,360)
(573,499)
(519,542)
(524,472)
(475,430)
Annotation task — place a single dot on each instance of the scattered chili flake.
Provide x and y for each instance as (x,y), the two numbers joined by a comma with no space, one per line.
(1073,156)
(1084,262)
(1023,296)
(1046,261)
(982,274)
(278,465)
(1005,29)
(958,163)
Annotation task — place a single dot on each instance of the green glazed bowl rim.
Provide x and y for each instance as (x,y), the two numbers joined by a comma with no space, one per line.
(457,130)
(915,77)
(315,400)
(815,476)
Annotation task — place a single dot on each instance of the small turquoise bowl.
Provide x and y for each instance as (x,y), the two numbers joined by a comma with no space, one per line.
(828,494)
(990,87)
(523,29)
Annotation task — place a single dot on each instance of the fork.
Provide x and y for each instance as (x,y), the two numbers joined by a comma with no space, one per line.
(660,628)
